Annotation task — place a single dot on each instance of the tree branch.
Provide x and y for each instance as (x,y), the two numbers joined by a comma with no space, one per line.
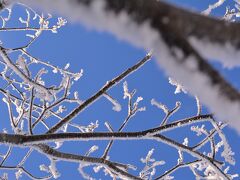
(77,158)
(24,77)
(103,90)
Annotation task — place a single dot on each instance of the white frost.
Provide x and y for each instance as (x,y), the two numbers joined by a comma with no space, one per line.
(116,106)
(144,36)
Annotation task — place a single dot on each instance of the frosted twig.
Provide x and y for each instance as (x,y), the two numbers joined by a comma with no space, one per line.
(30,111)
(168,113)
(213,6)
(26,172)
(7,100)
(132,110)
(25,158)
(175,168)
(63,71)
(199,106)
(116,105)
(77,158)
(6,155)
(11,65)
(204,141)
(23,101)
(104,89)
(56,103)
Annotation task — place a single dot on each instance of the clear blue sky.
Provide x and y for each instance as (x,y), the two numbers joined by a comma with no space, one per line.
(102,57)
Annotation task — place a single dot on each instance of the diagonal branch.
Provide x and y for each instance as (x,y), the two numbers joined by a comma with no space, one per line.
(23,76)
(97,95)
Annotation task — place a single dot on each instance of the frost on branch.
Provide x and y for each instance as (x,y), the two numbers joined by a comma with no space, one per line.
(179,87)
(132,106)
(6,18)
(51,169)
(168,113)
(149,169)
(36,108)
(213,6)
(116,106)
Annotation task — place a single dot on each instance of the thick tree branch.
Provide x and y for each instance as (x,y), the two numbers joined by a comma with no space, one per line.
(17,139)
(181,24)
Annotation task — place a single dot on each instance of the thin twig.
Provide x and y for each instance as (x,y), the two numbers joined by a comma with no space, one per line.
(104,89)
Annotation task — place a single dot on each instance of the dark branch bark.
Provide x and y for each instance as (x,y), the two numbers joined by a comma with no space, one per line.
(183,22)
(17,139)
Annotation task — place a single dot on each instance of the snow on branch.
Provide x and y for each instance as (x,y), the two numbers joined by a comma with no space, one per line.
(31,103)
(177,36)
(186,23)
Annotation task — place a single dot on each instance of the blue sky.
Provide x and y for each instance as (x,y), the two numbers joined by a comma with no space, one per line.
(103,57)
